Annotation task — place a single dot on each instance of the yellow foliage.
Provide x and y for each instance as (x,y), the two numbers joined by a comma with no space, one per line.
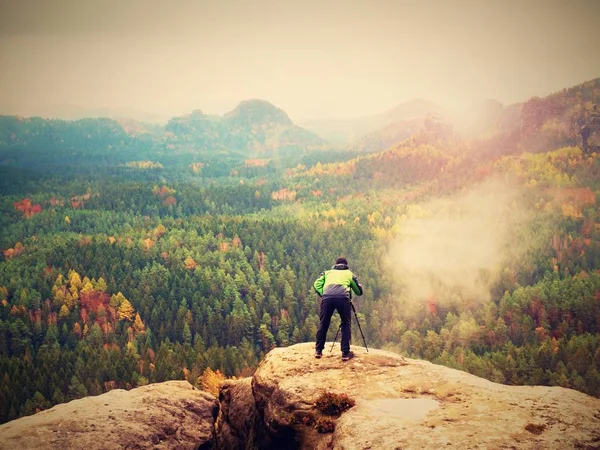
(75,279)
(116,300)
(125,311)
(144,165)
(64,312)
(189,263)
(101,285)
(74,292)
(569,210)
(211,381)
(131,349)
(87,287)
(67,220)
(138,325)
(159,231)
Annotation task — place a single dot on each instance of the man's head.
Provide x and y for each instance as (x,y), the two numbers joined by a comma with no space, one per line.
(341,260)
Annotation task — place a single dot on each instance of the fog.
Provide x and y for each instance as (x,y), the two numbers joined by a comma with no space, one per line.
(452,250)
(313,59)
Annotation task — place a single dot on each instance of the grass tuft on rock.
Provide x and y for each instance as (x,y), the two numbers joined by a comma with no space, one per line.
(334,404)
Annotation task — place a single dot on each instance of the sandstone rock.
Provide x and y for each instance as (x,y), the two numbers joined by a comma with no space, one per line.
(411,404)
(170,415)
(239,425)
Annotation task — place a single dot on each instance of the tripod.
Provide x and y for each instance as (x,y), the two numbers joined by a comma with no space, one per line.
(359,328)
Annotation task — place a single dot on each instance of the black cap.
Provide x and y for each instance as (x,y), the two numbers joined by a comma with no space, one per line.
(341,260)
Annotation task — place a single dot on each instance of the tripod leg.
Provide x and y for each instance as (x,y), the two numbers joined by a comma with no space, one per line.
(335,338)
(359,328)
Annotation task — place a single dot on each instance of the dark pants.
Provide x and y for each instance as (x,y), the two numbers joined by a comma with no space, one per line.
(328,306)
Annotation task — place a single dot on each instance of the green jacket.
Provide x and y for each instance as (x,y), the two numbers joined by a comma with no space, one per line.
(337,282)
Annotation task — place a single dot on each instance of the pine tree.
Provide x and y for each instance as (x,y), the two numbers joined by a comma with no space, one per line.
(76,388)
(186,334)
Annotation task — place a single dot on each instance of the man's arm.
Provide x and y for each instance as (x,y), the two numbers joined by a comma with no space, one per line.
(356,286)
(319,283)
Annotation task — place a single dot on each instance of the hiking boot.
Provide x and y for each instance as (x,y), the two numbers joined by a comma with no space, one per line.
(347,355)
(318,353)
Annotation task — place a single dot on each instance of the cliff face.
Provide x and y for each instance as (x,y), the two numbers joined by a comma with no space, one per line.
(408,404)
(395,403)
(171,415)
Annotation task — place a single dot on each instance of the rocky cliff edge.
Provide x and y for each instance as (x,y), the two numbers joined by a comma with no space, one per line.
(400,403)
(170,415)
(378,400)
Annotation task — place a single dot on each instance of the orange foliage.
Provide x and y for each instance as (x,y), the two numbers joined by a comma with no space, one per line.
(163,191)
(432,306)
(284,194)
(95,301)
(78,201)
(35,316)
(56,202)
(236,242)
(169,201)
(27,208)
(256,162)
(12,252)
(575,196)
(18,310)
(148,243)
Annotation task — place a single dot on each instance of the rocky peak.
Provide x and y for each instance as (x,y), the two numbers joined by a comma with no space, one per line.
(401,403)
(256,112)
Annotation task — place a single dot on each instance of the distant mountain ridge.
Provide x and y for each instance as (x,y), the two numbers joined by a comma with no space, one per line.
(347,130)
(72,112)
(254,127)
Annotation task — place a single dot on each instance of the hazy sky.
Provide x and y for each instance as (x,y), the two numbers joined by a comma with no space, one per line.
(312,58)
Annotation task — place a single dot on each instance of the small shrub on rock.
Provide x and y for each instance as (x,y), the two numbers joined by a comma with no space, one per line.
(334,404)
(325,425)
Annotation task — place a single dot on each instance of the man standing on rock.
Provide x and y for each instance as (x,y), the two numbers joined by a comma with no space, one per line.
(333,286)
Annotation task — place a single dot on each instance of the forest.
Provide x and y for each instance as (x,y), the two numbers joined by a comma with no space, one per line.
(134,255)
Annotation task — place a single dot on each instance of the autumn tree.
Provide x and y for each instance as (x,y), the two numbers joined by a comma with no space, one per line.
(125,311)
